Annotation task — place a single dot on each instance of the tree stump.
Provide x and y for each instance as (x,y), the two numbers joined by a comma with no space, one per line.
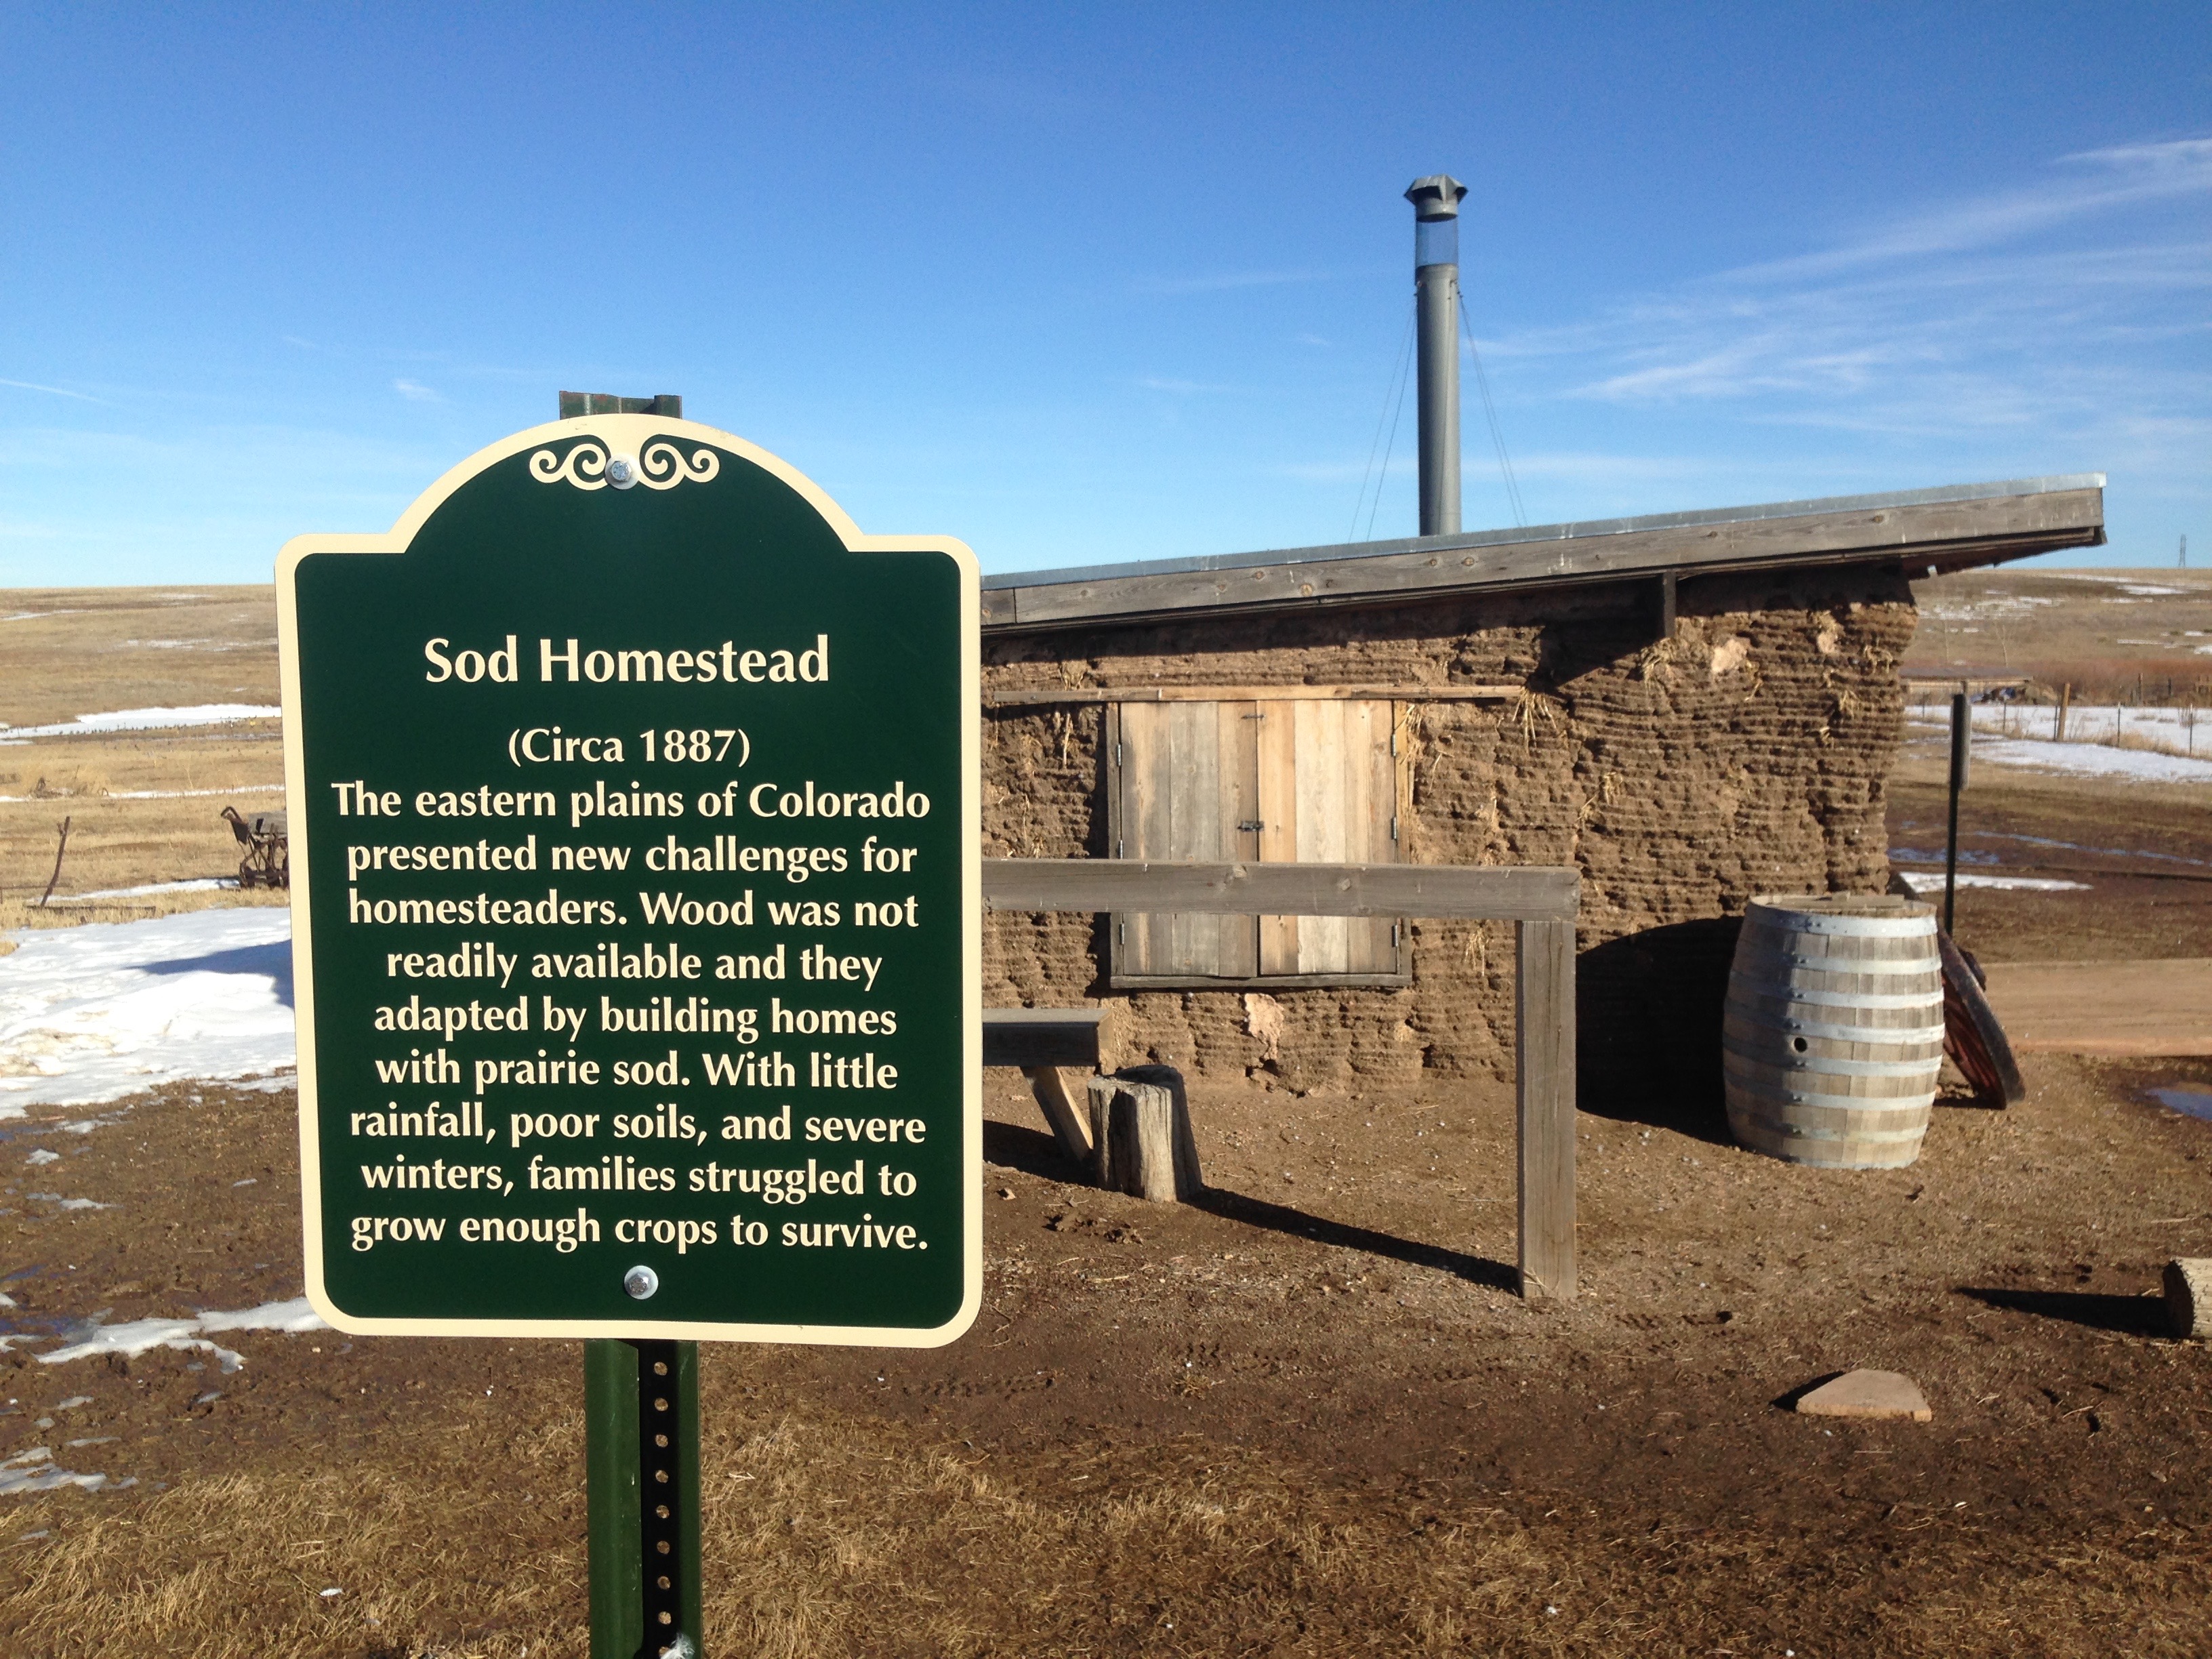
(1141,1139)
(2189,1296)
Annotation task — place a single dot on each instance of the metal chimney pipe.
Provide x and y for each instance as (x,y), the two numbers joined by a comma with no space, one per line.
(1435,202)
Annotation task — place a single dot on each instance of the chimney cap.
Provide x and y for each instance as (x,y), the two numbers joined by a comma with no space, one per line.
(1437,197)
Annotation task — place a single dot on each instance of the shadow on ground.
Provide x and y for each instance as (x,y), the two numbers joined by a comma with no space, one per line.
(2130,1315)
(1036,1153)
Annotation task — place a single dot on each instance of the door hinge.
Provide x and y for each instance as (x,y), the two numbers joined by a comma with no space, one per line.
(1118,853)
(1394,826)
(1253,825)
(1117,754)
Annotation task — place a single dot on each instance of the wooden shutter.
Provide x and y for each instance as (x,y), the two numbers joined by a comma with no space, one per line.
(1266,781)
(1329,795)
(1188,789)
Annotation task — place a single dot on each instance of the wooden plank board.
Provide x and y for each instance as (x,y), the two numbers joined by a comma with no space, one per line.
(1189,771)
(1279,834)
(1326,811)
(1025,697)
(1193,790)
(1940,532)
(1237,939)
(1492,892)
(1042,1037)
(1374,945)
(1544,1067)
(1069,1124)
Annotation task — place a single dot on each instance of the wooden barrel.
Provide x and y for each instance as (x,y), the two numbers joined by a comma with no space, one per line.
(1834,1030)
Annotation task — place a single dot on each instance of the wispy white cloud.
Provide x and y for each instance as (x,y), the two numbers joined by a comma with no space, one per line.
(416,392)
(2093,181)
(2069,314)
(54,390)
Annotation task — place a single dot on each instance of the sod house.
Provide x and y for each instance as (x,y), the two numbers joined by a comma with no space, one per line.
(1689,708)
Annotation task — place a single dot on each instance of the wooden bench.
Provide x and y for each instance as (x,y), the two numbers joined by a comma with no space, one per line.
(1039,1040)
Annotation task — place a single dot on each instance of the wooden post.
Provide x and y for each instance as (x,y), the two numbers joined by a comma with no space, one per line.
(64,826)
(1068,1127)
(1544,1057)
(1962,740)
(1141,1139)
(2188,1296)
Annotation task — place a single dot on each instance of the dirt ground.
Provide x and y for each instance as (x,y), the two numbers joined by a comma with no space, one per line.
(1305,1416)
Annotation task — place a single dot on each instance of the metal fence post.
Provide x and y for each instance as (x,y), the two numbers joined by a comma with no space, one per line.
(642,1458)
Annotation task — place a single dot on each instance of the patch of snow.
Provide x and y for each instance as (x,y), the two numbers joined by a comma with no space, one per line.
(1921,881)
(1935,855)
(195,794)
(297,1315)
(2098,760)
(31,1470)
(44,1156)
(196,885)
(134,1337)
(90,1014)
(276,1084)
(150,719)
(2102,851)
(137,1336)
(2018,734)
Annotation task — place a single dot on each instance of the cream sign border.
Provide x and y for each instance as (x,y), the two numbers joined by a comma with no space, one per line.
(620,437)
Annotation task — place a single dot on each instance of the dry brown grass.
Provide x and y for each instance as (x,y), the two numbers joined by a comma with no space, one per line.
(143,808)
(842,1537)
(85,650)
(2134,634)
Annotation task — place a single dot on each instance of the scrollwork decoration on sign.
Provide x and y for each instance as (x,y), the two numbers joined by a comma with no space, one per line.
(584,466)
(660,466)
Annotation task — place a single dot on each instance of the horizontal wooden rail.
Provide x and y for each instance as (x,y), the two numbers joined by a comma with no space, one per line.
(1026,697)
(1541,899)
(1486,892)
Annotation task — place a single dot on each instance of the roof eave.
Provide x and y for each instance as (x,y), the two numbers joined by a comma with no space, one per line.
(1958,528)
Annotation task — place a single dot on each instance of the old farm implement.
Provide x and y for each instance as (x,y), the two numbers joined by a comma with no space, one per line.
(267,861)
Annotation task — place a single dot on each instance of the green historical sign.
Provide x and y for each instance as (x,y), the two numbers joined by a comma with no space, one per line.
(635,909)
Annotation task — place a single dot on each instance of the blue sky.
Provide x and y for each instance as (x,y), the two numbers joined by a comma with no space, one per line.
(1093,283)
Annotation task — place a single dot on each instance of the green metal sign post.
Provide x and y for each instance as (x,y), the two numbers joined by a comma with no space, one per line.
(642,1458)
(635,853)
